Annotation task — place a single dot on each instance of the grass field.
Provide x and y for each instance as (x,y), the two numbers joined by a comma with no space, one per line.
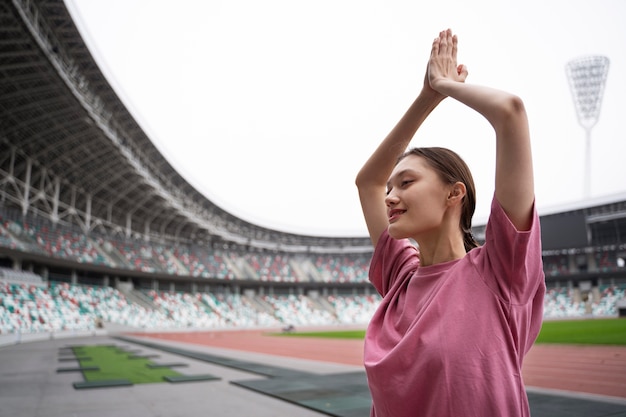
(587,332)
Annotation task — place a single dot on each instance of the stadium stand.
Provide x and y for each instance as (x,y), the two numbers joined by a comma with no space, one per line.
(61,306)
(97,227)
(182,259)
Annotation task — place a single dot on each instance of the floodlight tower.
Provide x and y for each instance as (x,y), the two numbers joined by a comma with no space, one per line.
(587,76)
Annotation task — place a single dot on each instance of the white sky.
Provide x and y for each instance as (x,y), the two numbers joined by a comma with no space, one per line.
(270,108)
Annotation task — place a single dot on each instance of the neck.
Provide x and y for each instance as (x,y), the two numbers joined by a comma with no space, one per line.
(442,248)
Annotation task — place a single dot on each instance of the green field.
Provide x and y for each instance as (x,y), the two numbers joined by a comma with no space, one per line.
(339,334)
(115,363)
(587,332)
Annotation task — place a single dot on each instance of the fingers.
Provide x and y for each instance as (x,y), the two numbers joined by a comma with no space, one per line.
(462,72)
(455,44)
(445,44)
(434,51)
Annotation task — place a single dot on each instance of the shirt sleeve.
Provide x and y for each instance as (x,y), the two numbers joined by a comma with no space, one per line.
(392,260)
(510,260)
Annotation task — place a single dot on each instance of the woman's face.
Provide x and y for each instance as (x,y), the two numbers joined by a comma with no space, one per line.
(416,199)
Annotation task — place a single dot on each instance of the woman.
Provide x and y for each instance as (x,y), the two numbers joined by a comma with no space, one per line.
(456,320)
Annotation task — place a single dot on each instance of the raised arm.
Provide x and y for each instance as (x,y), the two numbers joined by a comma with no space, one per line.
(514,184)
(372,179)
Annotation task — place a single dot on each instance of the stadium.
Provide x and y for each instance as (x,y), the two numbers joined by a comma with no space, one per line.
(103,241)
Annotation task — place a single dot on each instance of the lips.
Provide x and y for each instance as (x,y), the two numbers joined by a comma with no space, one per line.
(394,214)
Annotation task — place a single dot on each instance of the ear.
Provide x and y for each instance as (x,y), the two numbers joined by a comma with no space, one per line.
(457,192)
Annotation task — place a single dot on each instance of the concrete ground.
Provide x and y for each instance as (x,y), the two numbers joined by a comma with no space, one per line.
(249,384)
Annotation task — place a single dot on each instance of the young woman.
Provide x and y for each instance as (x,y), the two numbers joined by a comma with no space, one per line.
(456,319)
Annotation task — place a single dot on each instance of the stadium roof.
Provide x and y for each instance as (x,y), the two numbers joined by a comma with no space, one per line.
(71,152)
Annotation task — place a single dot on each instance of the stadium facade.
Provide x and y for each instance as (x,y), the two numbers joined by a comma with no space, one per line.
(86,197)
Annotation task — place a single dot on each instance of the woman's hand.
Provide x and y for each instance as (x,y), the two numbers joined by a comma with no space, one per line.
(442,66)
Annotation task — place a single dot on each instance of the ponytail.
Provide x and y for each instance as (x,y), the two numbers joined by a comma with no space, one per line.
(469,241)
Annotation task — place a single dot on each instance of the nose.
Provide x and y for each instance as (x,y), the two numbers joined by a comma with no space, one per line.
(391,199)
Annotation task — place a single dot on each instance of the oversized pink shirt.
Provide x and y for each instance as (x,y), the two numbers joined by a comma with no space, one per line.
(448,340)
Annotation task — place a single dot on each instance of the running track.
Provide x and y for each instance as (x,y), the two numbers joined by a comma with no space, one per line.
(588,369)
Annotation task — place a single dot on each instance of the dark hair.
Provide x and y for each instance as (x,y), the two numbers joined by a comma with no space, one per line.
(451,169)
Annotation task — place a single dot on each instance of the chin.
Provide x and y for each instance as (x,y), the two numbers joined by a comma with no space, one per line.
(396,232)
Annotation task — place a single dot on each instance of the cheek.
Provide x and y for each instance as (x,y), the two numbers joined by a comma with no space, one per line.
(425,214)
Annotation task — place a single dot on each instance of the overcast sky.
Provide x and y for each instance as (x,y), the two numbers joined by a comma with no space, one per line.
(270,108)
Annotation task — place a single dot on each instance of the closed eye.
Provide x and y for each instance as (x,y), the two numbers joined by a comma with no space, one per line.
(402,184)
(402,179)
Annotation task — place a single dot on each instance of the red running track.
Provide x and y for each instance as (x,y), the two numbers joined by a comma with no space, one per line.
(588,369)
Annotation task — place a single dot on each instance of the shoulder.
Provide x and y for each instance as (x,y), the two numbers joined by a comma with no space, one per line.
(500,222)
(392,259)
(510,260)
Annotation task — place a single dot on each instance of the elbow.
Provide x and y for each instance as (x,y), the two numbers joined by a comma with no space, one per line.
(366,179)
(511,112)
(364,183)
(513,107)
(358,181)
(361,179)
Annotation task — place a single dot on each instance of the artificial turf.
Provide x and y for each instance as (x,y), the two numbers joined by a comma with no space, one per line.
(116,364)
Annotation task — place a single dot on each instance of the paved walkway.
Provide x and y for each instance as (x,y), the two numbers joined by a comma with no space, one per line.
(247,384)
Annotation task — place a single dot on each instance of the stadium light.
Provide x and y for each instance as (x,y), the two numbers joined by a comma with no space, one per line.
(587,77)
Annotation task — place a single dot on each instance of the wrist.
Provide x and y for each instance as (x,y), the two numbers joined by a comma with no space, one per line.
(442,86)
(430,95)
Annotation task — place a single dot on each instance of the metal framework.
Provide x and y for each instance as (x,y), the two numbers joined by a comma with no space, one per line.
(71,153)
(587,77)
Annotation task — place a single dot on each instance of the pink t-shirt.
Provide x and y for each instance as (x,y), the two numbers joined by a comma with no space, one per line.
(448,340)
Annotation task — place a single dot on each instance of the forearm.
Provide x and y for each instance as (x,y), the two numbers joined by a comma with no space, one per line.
(500,108)
(378,167)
